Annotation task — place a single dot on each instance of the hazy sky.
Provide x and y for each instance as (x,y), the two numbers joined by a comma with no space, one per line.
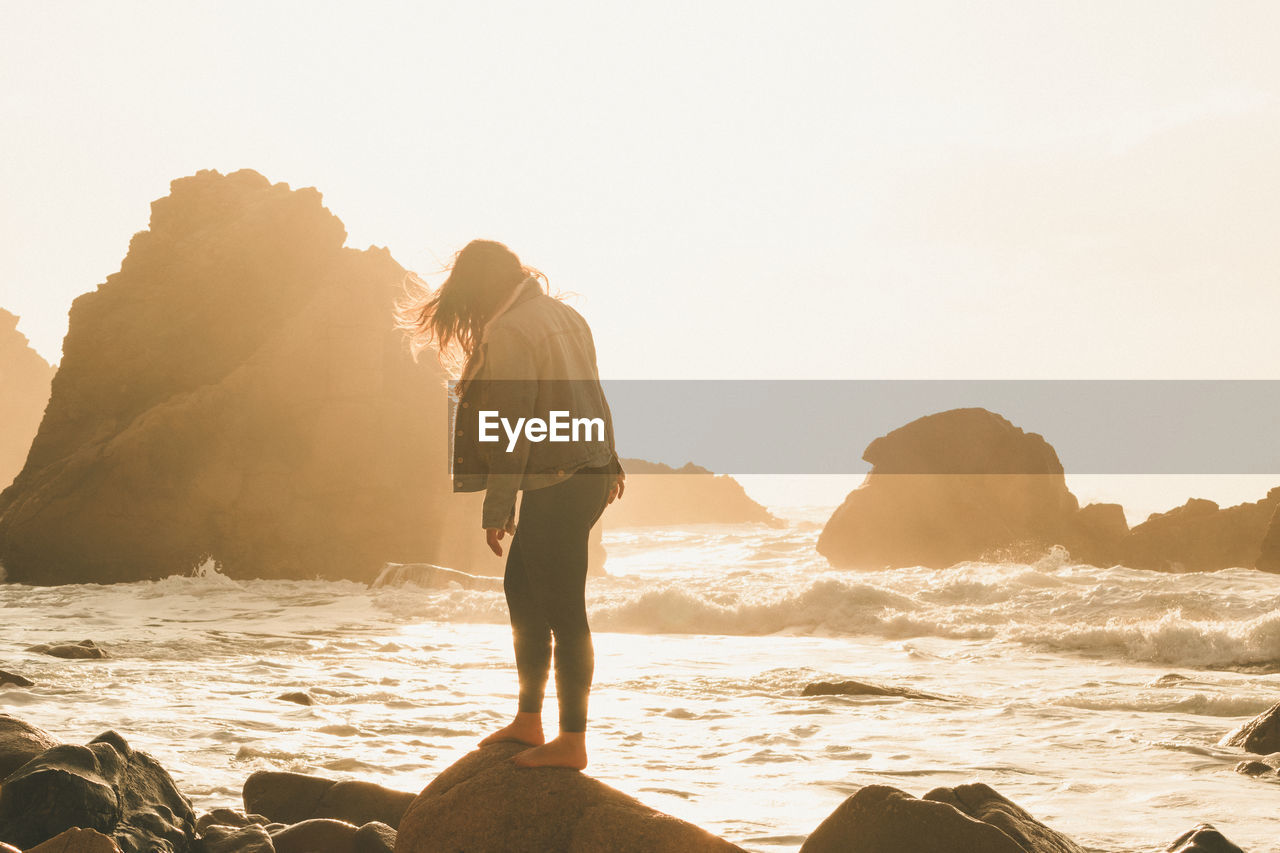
(736,189)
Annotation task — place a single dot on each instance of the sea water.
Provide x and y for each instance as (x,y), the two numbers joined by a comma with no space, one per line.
(1054,677)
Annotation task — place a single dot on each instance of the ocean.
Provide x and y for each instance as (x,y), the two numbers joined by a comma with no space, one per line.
(1091,697)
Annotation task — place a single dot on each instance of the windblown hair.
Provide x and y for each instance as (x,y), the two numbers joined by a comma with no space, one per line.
(481,276)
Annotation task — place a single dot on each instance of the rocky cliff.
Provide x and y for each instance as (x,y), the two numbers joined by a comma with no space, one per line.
(237,392)
(657,494)
(25,378)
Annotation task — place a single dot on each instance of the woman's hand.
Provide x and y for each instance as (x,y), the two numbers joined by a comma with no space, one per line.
(619,486)
(493,535)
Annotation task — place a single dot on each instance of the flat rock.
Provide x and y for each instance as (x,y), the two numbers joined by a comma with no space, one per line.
(965,819)
(484,802)
(10,679)
(77,840)
(106,786)
(1260,735)
(235,839)
(862,688)
(83,650)
(322,835)
(20,742)
(1202,839)
(294,797)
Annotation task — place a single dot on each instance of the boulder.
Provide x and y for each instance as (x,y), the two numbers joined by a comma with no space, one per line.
(323,835)
(83,650)
(77,840)
(659,495)
(237,395)
(10,679)
(958,485)
(1202,839)
(862,688)
(106,786)
(219,838)
(1261,735)
(1201,536)
(24,391)
(294,797)
(484,802)
(297,697)
(969,818)
(375,837)
(20,742)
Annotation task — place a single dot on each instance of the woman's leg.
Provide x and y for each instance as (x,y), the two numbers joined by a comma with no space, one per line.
(556,524)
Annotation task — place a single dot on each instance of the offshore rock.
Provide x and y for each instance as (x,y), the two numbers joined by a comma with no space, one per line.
(1261,735)
(294,797)
(1200,536)
(83,650)
(657,494)
(1202,839)
(106,786)
(971,818)
(25,379)
(484,803)
(863,688)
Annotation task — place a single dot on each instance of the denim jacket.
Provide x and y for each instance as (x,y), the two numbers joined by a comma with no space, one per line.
(534,359)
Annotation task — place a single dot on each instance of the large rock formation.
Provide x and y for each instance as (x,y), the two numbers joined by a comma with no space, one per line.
(237,392)
(24,390)
(1201,536)
(657,494)
(958,485)
(294,797)
(971,818)
(1269,550)
(106,786)
(483,803)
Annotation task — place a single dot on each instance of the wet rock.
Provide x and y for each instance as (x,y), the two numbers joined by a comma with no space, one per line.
(322,835)
(294,797)
(484,802)
(973,818)
(1254,768)
(20,742)
(1169,679)
(375,837)
(1261,735)
(106,786)
(1202,839)
(228,818)
(251,838)
(78,840)
(297,697)
(862,688)
(83,650)
(9,679)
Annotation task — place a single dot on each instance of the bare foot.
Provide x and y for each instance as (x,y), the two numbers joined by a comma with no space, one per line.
(567,750)
(527,728)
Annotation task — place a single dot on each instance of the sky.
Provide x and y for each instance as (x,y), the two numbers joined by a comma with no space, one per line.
(732,189)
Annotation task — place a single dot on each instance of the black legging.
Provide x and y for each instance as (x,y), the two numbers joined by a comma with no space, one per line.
(545,583)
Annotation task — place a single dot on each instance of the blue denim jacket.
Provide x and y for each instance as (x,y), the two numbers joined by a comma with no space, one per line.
(535,358)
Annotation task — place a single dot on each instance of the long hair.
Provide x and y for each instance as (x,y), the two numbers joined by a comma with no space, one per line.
(481,276)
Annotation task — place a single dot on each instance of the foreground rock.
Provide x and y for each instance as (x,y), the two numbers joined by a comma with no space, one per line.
(1203,839)
(24,390)
(658,494)
(106,786)
(295,797)
(12,679)
(1261,735)
(485,803)
(20,742)
(954,486)
(863,688)
(969,818)
(237,393)
(78,841)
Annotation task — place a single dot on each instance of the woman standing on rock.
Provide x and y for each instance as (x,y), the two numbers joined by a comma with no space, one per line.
(531,418)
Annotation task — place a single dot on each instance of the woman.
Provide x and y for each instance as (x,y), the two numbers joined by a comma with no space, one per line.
(527,357)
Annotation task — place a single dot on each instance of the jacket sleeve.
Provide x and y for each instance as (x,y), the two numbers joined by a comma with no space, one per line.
(511,382)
